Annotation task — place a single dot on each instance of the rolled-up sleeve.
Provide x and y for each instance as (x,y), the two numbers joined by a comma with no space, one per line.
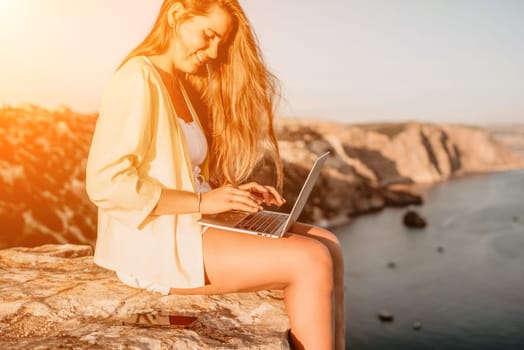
(122,137)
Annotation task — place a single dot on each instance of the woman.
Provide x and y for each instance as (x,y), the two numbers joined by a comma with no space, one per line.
(151,171)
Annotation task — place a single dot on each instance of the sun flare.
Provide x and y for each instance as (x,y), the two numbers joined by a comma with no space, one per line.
(9,10)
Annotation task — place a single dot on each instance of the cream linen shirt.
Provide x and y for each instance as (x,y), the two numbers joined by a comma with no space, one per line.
(138,148)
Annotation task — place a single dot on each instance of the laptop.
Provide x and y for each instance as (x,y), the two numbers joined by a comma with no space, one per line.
(266,223)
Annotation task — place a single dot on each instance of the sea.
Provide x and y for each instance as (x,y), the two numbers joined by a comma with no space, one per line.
(457,284)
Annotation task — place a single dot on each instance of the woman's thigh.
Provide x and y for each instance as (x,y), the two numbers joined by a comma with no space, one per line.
(238,262)
(316,232)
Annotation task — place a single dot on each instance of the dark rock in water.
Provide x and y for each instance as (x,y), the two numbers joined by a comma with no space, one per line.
(414,220)
(440,249)
(392,264)
(417,325)
(385,316)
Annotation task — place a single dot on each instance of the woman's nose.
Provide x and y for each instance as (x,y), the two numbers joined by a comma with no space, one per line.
(212,50)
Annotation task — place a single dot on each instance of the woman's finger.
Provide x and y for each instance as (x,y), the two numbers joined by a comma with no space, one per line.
(268,193)
(246,198)
(253,187)
(246,193)
(253,193)
(279,200)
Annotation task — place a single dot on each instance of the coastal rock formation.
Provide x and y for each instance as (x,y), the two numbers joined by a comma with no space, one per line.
(54,297)
(43,155)
(371,164)
(512,136)
(410,152)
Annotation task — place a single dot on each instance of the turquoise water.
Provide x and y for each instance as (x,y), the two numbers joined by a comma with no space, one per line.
(468,296)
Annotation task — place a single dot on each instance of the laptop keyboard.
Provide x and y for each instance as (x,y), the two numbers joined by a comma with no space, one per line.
(262,221)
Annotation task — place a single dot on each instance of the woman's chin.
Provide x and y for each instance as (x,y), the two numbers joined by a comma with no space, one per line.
(196,70)
(192,68)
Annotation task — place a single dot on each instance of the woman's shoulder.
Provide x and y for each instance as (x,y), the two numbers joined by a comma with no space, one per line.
(133,75)
(135,66)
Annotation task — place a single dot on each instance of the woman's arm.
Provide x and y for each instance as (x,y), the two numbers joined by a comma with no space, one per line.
(216,201)
(120,142)
(246,197)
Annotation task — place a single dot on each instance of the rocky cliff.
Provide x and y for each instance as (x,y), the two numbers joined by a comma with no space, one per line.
(43,155)
(54,297)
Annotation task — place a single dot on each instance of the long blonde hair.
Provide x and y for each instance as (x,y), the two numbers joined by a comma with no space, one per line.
(238,89)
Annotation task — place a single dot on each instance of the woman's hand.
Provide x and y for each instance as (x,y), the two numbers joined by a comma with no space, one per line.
(246,197)
(229,198)
(269,195)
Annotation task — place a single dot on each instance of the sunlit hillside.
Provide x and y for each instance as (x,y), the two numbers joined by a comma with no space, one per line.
(42,161)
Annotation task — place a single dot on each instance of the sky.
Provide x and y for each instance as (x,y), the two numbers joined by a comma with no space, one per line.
(345,60)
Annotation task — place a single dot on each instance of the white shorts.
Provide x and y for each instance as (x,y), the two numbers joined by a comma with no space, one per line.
(135,282)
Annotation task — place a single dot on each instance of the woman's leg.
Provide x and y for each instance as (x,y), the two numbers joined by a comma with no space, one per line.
(302,266)
(332,243)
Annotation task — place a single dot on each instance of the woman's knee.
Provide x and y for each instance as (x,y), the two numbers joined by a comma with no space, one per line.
(328,235)
(334,247)
(329,239)
(314,264)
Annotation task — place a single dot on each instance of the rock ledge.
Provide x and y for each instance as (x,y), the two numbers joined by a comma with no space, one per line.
(55,297)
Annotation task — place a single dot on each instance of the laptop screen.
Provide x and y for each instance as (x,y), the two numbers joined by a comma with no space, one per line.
(305,191)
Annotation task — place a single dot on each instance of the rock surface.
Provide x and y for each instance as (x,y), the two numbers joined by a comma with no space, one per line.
(54,297)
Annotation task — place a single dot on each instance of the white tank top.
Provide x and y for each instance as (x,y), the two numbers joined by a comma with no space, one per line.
(197,148)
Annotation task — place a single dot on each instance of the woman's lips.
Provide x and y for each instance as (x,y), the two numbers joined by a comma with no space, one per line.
(199,59)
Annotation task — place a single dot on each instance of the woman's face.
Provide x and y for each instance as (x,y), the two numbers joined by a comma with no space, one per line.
(199,38)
